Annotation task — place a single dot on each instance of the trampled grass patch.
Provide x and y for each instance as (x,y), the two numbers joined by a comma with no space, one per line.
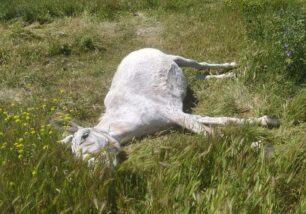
(57,61)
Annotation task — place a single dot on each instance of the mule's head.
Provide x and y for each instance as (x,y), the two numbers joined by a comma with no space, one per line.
(92,145)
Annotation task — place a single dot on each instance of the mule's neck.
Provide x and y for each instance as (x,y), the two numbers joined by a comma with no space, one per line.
(114,127)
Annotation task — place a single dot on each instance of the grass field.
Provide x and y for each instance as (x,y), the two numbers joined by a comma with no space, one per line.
(57,61)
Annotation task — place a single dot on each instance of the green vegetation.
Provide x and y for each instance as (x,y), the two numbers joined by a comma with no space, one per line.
(57,59)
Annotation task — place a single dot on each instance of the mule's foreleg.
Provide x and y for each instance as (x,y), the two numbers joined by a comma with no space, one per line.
(197,124)
(265,121)
(187,121)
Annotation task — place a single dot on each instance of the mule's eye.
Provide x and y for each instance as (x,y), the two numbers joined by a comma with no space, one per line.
(85,135)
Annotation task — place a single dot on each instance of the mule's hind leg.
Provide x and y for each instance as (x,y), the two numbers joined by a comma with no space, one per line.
(220,76)
(184,62)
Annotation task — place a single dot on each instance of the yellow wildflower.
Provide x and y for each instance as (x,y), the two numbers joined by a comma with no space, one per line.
(19,146)
(67,117)
(4,145)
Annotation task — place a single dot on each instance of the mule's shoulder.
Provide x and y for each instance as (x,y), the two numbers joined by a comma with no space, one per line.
(149,55)
(146,51)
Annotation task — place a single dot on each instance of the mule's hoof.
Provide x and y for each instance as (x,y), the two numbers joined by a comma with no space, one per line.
(256,144)
(269,121)
(230,74)
(233,64)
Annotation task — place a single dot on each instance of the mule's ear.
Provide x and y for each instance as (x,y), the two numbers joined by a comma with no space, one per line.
(67,140)
(73,127)
(59,124)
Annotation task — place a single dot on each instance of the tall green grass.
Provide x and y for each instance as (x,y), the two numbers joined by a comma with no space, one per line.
(276,32)
(197,175)
(274,55)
